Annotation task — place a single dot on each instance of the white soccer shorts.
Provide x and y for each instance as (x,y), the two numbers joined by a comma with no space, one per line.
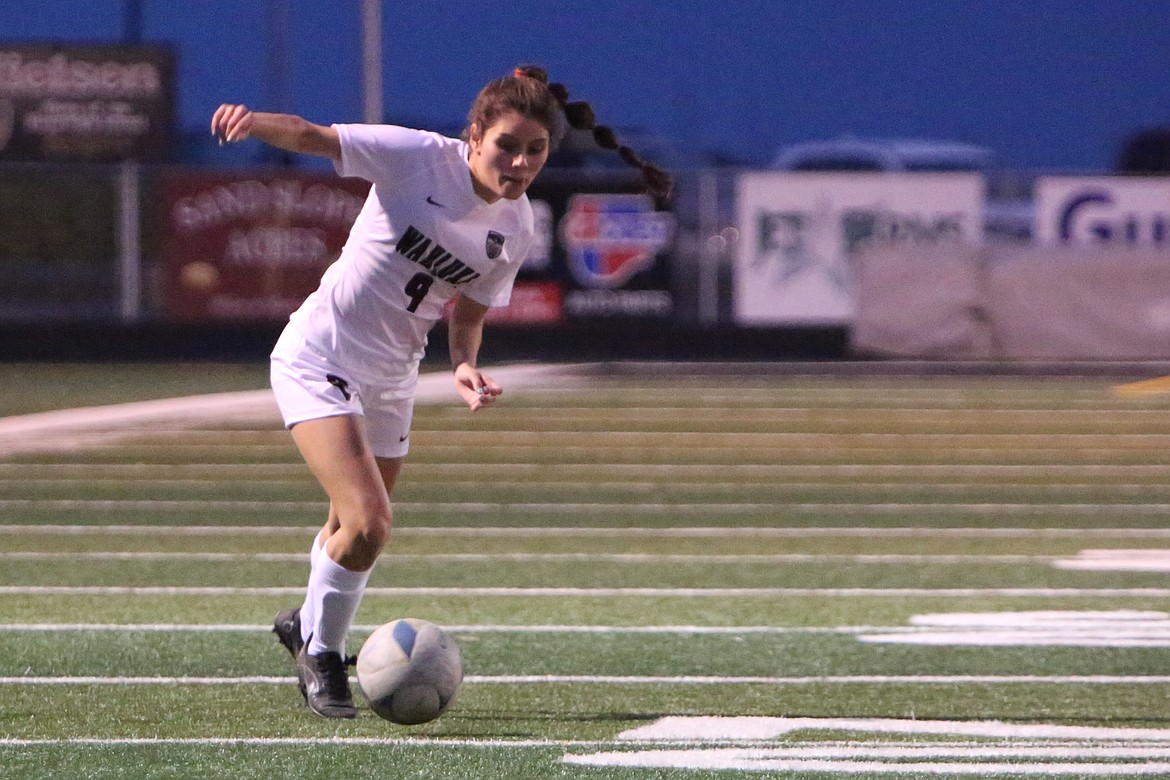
(308,385)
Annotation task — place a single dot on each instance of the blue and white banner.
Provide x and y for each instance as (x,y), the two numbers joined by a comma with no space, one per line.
(1103,210)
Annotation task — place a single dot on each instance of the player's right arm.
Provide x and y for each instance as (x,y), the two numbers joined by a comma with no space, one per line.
(234,122)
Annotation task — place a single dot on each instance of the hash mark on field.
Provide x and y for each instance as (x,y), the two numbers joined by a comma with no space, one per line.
(1118,560)
(1048,628)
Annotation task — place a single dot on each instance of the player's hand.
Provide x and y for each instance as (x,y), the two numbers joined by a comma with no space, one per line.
(231,122)
(477,389)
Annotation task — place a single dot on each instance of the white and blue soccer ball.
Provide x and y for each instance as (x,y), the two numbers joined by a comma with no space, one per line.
(409,671)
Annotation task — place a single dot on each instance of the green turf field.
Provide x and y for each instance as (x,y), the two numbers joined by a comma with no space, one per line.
(650,575)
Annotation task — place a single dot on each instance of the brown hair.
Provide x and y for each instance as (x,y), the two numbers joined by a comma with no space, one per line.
(528,92)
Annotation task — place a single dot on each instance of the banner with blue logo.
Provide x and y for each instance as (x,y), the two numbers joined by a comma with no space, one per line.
(608,251)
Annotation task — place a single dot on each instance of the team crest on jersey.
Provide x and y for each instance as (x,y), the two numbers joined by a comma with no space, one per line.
(609,238)
(495,244)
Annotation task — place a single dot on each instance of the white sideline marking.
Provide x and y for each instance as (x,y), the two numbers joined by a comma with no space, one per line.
(1045,628)
(574,679)
(1117,560)
(215,406)
(100,424)
(88,590)
(698,532)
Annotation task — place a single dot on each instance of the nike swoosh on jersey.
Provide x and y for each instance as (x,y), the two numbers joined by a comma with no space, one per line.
(431,200)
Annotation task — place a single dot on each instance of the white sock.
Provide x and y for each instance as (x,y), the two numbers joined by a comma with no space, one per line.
(309,608)
(332,600)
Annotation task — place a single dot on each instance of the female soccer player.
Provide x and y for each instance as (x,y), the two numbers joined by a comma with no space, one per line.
(445,218)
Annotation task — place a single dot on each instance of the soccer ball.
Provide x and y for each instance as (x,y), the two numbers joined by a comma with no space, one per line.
(410,671)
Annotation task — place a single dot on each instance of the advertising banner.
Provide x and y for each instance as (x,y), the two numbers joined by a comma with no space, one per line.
(249,247)
(800,234)
(1103,210)
(606,251)
(608,241)
(596,256)
(85,103)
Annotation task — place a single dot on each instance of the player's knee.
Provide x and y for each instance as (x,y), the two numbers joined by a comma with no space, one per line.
(366,524)
(371,529)
(373,534)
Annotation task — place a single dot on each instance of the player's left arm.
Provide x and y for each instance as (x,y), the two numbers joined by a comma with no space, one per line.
(464,335)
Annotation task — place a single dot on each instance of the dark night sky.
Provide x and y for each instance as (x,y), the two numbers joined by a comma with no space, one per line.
(1047,84)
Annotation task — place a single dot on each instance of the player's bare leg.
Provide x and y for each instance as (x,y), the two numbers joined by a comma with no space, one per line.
(355,531)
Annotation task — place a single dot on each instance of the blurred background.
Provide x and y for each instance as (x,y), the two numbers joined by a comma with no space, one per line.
(936,180)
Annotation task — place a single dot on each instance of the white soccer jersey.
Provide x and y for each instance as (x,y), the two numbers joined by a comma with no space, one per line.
(422,236)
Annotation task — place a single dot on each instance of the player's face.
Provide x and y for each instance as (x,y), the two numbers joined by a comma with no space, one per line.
(506,157)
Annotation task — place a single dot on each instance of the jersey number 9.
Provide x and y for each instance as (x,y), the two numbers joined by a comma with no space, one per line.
(417,288)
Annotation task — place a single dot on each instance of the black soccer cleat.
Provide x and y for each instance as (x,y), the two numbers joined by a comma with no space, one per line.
(324,682)
(323,679)
(288,630)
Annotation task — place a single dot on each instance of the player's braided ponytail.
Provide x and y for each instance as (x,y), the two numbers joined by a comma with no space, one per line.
(580,116)
(528,92)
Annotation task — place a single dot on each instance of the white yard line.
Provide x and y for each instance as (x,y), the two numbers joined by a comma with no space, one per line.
(573,679)
(771,486)
(56,529)
(421,741)
(542,508)
(240,628)
(771,472)
(696,532)
(504,592)
(631,558)
(411,741)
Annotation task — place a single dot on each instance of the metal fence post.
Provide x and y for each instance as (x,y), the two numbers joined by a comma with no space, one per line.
(129,242)
(709,255)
